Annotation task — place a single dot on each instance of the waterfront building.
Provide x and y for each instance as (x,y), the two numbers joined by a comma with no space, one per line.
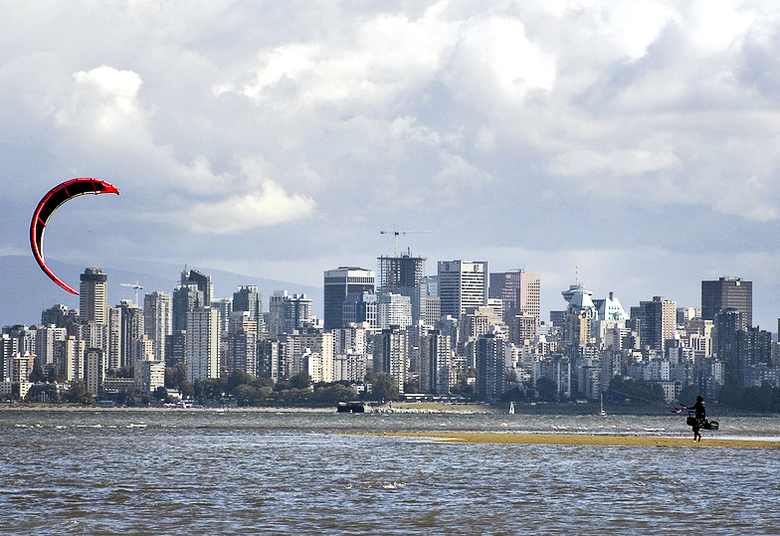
(95,336)
(391,354)
(490,366)
(435,363)
(202,344)
(69,358)
(132,320)
(93,296)
(149,375)
(299,344)
(114,357)
(462,284)
(269,356)
(353,338)
(45,339)
(350,366)
(556,368)
(240,344)
(94,370)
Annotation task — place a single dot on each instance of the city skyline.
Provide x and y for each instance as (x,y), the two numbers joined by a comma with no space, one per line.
(117,293)
(637,146)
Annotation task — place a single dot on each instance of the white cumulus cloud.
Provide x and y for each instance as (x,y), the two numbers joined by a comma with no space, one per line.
(271,206)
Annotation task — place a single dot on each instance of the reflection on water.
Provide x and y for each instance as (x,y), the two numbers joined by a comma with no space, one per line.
(204,472)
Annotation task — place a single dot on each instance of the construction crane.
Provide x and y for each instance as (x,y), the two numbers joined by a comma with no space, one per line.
(395,234)
(137,286)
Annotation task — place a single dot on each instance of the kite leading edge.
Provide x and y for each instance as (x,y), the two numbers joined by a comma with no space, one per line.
(49,204)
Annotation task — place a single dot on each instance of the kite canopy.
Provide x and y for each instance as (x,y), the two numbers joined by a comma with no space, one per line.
(49,204)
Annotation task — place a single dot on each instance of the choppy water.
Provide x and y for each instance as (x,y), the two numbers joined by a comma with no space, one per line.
(235,472)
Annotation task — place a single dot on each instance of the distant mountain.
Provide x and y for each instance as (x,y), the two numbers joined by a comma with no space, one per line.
(25,290)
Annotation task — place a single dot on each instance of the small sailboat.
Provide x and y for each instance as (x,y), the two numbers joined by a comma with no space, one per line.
(511,407)
(603,412)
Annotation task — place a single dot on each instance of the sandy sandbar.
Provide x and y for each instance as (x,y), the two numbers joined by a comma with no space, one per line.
(595,440)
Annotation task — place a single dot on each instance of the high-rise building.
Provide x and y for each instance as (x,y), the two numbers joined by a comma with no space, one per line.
(60,315)
(158,320)
(391,354)
(45,339)
(175,348)
(435,363)
(288,312)
(69,357)
(94,370)
(729,327)
(225,306)
(360,308)
(393,310)
(132,319)
(727,293)
(405,275)
(490,367)
(114,357)
(203,281)
(202,344)
(269,364)
(519,291)
(658,320)
(247,298)
(578,318)
(339,284)
(93,296)
(241,344)
(97,337)
(462,284)
(186,297)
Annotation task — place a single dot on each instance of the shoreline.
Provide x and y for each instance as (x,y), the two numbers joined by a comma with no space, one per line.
(590,440)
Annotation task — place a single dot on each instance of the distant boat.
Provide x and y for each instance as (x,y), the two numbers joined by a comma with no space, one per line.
(603,412)
(511,407)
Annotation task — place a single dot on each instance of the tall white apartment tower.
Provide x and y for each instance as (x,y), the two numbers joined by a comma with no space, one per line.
(158,320)
(202,347)
(93,296)
(462,284)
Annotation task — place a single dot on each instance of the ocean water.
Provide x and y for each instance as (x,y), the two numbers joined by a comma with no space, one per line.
(97,472)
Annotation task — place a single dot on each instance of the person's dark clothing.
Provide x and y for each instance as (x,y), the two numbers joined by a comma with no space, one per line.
(699,416)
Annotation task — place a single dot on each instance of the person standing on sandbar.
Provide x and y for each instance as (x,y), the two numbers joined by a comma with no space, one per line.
(700,415)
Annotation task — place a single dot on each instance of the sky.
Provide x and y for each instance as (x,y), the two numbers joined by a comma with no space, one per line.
(632,146)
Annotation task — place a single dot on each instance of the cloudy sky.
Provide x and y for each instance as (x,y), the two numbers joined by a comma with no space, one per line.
(634,143)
